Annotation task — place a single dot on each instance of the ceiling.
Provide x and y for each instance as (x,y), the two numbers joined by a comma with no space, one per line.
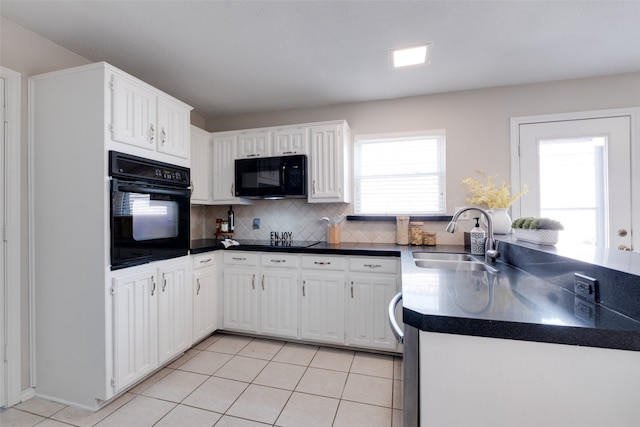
(240,57)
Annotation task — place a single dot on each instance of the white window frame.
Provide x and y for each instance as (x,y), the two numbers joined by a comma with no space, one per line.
(438,133)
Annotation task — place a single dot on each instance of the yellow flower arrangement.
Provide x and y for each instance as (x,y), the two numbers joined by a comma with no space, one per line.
(489,194)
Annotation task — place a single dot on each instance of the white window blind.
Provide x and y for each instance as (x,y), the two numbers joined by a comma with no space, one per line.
(400,174)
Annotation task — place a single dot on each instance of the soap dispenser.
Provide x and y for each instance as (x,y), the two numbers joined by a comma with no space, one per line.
(478,239)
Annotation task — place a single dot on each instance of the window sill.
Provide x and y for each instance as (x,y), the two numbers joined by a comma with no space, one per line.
(392,218)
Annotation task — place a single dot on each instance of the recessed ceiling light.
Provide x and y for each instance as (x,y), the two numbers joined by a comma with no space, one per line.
(408,56)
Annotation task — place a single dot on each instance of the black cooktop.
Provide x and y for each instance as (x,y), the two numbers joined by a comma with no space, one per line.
(279,243)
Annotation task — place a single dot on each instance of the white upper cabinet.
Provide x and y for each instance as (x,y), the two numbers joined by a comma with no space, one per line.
(173,128)
(224,152)
(134,113)
(201,172)
(254,144)
(290,141)
(149,119)
(329,163)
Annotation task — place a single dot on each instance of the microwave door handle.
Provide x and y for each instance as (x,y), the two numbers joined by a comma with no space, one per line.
(147,190)
(283,178)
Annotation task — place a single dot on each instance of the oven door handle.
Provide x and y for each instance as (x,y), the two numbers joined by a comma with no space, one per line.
(395,327)
(152,190)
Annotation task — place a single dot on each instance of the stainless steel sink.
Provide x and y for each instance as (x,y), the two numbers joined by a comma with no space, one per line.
(470,265)
(441,256)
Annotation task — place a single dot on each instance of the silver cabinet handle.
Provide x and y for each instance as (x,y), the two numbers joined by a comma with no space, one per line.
(395,328)
(163,135)
(153,289)
(232,193)
(321,263)
(204,261)
(314,186)
(237,258)
(289,152)
(278,260)
(253,282)
(352,289)
(263,282)
(253,155)
(164,283)
(198,289)
(152,133)
(304,282)
(373,265)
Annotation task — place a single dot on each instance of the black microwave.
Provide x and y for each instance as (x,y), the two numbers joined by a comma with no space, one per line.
(271,177)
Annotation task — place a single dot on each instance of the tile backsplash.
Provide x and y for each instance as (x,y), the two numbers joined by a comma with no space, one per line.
(303,219)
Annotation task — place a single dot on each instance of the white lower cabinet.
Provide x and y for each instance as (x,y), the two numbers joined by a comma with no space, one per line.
(240,299)
(279,295)
(151,318)
(261,300)
(373,281)
(135,326)
(322,307)
(369,297)
(340,300)
(175,313)
(205,296)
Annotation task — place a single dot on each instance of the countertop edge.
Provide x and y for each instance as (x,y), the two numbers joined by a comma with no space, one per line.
(551,334)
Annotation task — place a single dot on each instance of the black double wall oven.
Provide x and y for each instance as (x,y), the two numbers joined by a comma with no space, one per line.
(150,209)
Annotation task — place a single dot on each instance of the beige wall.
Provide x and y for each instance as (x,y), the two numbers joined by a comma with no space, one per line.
(476,121)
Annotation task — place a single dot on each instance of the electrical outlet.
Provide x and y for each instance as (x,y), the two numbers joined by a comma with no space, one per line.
(256,223)
(586,287)
(464,216)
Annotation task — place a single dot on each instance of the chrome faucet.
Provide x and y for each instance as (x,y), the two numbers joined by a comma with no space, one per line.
(490,247)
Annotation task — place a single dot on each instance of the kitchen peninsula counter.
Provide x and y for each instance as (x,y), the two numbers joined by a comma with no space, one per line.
(531,298)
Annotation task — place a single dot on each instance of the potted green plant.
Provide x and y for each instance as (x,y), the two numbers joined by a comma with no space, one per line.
(541,231)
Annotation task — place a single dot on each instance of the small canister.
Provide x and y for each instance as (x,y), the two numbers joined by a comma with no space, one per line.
(416,233)
(429,238)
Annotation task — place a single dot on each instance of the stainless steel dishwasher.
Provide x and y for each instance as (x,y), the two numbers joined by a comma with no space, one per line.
(410,337)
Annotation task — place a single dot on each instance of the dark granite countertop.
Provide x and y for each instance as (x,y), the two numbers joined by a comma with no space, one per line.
(528,299)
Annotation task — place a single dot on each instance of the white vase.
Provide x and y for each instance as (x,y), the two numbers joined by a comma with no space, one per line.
(501,220)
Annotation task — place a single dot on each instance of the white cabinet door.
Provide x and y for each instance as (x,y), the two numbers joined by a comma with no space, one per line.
(368,302)
(205,302)
(322,307)
(173,128)
(201,177)
(290,141)
(224,155)
(134,113)
(241,299)
(279,303)
(175,318)
(135,326)
(254,144)
(328,158)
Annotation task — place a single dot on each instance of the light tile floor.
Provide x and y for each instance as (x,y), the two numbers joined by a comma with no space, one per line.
(237,381)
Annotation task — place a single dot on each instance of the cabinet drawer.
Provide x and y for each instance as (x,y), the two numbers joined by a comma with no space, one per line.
(276,259)
(323,263)
(374,265)
(241,258)
(203,260)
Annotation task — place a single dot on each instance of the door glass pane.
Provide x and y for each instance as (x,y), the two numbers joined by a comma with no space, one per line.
(572,187)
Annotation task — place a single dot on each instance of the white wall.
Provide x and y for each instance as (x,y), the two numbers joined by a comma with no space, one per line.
(476,121)
(25,52)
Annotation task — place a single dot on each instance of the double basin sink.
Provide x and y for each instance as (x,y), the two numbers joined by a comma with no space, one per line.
(450,261)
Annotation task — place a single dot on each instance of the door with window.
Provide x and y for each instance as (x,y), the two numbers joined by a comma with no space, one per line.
(578,171)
